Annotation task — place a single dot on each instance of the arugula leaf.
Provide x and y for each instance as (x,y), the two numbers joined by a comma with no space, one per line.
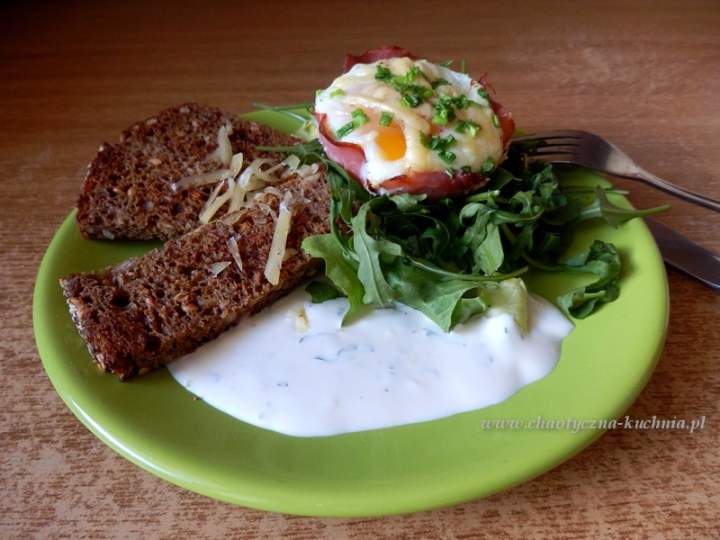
(339,269)
(449,302)
(406,202)
(581,302)
(509,296)
(310,152)
(369,250)
(322,290)
(489,255)
(525,200)
(344,193)
(467,308)
(602,260)
(440,300)
(614,215)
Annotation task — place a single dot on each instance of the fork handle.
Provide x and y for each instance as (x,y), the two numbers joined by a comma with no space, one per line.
(671,188)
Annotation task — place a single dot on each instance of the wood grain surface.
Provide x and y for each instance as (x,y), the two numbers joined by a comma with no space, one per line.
(646,75)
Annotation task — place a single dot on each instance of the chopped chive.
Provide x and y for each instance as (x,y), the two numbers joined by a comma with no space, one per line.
(466,126)
(411,75)
(441,145)
(318,92)
(359,118)
(463,66)
(383,73)
(446,63)
(447,156)
(461,102)
(445,108)
(488,165)
(466,169)
(495,120)
(436,142)
(441,117)
(344,130)
(415,95)
(438,83)
(482,93)
(386,119)
(337,92)
(444,111)
(412,94)
(409,100)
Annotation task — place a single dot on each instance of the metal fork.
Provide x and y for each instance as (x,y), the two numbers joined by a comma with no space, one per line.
(592,151)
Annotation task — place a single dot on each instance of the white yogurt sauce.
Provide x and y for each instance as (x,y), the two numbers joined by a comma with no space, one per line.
(390,367)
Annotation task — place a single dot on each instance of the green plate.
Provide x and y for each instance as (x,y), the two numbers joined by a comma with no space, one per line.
(155,423)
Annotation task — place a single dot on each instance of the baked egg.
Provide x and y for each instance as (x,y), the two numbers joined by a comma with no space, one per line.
(403,124)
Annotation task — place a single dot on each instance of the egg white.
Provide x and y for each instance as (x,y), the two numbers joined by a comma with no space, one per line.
(360,90)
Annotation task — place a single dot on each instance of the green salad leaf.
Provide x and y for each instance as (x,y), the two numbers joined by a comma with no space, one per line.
(369,251)
(322,290)
(602,260)
(455,258)
(510,296)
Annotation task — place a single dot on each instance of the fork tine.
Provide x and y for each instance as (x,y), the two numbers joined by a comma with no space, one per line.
(549,135)
(552,153)
(569,146)
(554,158)
(542,153)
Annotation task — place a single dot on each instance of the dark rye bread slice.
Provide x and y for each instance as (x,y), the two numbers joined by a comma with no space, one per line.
(127,192)
(148,311)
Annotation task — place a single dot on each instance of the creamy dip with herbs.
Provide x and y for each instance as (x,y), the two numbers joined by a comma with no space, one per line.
(294,370)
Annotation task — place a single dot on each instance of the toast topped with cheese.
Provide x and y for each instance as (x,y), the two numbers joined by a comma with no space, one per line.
(235,218)
(131,188)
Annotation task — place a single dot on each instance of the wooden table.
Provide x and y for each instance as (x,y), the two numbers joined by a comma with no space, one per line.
(647,75)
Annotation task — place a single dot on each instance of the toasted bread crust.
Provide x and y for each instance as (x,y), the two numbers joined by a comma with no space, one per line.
(148,311)
(127,192)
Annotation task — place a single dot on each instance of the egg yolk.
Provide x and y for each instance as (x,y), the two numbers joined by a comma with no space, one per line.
(391,141)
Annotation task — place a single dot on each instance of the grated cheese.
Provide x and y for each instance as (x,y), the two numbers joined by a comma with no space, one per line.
(279,242)
(236,164)
(249,186)
(231,219)
(211,198)
(218,267)
(272,190)
(237,200)
(292,162)
(203,179)
(235,252)
(223,152)
(266,208)
(216,202)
